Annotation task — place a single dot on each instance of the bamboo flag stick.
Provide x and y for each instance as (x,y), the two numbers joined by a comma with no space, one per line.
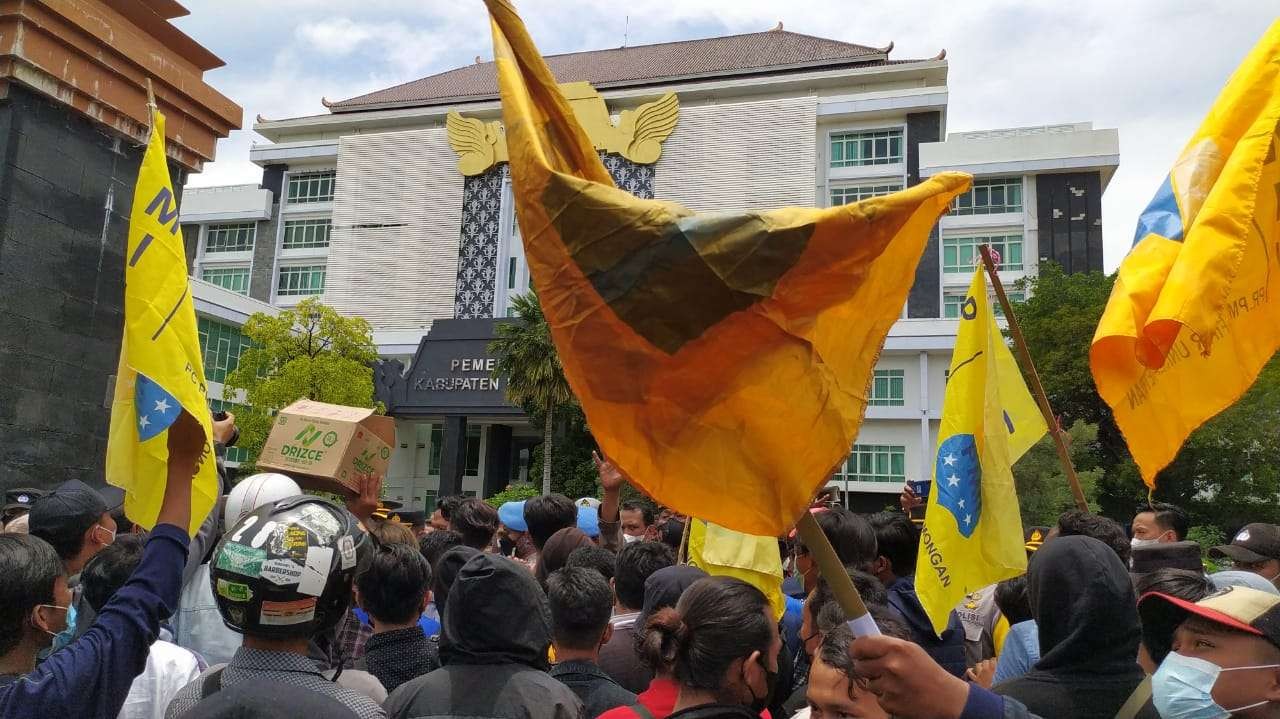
(151,96)
(1036,388)
(841,584)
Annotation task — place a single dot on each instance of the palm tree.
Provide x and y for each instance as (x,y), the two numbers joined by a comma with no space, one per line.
(535,378)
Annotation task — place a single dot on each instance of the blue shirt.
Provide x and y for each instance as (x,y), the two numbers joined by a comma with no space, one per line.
(430,624)
(91,677)
(1021,651)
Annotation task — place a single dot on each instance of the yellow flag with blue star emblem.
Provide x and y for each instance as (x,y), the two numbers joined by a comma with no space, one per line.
(1192,319)
(161,373)
(972,534)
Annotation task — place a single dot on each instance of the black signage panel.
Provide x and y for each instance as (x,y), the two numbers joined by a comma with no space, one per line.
(451,374)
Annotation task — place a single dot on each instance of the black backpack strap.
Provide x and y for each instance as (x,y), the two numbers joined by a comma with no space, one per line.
(211,683)
(641,711)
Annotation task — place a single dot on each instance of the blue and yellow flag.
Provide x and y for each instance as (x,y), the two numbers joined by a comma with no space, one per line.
(1192,317)
(722,358)
(722,552)
(972,533)
(161,373)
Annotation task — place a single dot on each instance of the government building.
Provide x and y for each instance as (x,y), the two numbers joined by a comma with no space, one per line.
(396,206)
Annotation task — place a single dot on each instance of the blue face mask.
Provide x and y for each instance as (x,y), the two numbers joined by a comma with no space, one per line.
(1182,688)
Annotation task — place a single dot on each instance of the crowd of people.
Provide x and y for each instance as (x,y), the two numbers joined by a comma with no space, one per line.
(285,604)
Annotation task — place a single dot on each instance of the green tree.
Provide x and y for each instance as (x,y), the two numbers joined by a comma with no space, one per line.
(535,378)
(309,351)
(1043,491)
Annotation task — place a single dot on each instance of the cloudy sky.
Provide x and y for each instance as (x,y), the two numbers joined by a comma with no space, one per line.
(1150,68)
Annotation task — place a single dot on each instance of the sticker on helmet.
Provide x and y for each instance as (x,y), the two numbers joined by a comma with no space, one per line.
(240,559)
(236,615)
(347,551)
(299,611)
(319,520)
(286,539)
(316,572)
(281,572)
(235,591)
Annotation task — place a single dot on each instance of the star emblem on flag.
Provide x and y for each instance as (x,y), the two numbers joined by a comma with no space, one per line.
(154,407)
(959,471)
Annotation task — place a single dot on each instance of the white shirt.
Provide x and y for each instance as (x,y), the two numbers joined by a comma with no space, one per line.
(169,669)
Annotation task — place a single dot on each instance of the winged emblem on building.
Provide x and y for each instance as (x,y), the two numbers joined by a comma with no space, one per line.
(637,136)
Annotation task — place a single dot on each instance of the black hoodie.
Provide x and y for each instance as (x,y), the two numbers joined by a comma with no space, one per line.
(1083,604)
(494,642)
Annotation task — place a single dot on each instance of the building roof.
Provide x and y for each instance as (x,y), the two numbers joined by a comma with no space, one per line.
(752,53)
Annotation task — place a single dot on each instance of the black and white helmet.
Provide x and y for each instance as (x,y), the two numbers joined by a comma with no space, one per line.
(285,570)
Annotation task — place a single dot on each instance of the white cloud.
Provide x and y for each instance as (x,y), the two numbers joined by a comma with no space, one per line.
(1150,68)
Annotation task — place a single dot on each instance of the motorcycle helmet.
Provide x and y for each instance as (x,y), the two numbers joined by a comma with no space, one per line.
(285,570)
(255,491)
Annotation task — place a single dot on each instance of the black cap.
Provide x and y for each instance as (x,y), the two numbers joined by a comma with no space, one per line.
(67,511)
(19,498)
(1166,555)
(1255,543)
(410,517)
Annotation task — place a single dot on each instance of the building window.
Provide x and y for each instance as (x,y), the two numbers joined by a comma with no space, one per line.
(301,280)
(877,463)
(961,255)
(990,196)
(887,388)
(230,238)
(874,147)
(312,187)
(472,466)
(847,194)
(951,303)
(235,455)
(1013,297)
(235,279)
(221,345)
(306,234)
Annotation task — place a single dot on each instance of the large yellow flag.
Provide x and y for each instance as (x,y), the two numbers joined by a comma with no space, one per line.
(972,533)
(1192,319)
(723,552)
(161,373)
(722,359)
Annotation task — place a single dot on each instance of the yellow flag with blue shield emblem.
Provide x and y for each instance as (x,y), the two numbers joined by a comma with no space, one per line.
(722,552)
(161,373)
(1192,318)
(972,534)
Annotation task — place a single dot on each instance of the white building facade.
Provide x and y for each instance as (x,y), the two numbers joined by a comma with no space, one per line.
(396,207)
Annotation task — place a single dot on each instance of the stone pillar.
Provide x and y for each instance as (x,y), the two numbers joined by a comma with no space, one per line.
(453,457)
(73,117)
(497,463)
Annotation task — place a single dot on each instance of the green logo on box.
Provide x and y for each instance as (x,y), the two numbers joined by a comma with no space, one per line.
(308,435)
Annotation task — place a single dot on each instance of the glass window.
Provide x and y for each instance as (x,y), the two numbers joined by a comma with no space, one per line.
(887,388)
(301,280)
(960,254)
(846,194)
(873,147)
(312,186)
(990,196)
(1013,297)
(235,279)
(221,345)
(237,455)
(303,234)
(876,463)
(951,305)
(473,453)
(238,237)
(437,447)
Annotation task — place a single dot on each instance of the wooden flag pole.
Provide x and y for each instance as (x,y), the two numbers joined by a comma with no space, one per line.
(1037,389)
(151,96)
(829,565)
(684,541)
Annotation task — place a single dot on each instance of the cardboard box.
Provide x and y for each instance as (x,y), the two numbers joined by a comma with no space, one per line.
(324,446)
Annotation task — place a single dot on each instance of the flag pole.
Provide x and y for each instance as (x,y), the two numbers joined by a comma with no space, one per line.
(815,540)
(151,95)
(1020,344)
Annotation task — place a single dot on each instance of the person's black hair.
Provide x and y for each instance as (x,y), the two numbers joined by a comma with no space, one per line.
(594,557)
(672,533)
(547,514)
(1168,516)
(869,588)
(394,583)
(123,523)
(67,541)
(1107,531)
(434,545)
(446,505)
(1180,583)
(636,561)
(898,540)
(834,651)
(581,604)
(1013,600)
(30,568)
(110,569)
(890,622)
(475,521)
(850,534)
(718,620)
(643,507)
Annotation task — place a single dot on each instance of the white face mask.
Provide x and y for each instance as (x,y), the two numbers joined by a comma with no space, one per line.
(1135,542)
(628,538)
